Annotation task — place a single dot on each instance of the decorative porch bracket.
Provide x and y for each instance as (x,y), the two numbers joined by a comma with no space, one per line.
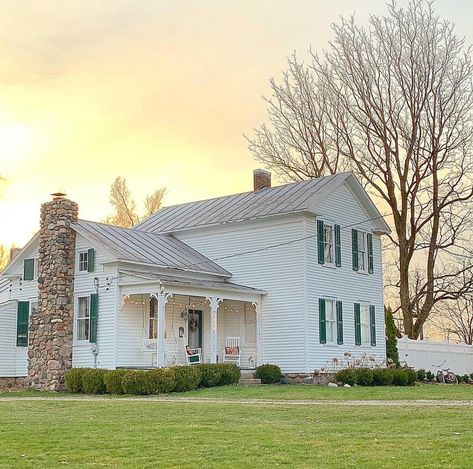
(214,303)
(162,298)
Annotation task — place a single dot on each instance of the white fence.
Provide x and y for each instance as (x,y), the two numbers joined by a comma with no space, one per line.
(435,355)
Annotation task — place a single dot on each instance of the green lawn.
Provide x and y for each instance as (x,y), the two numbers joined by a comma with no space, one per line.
(117,433)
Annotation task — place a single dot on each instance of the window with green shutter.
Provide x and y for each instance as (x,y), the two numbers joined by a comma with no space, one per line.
(28,269)
(354,247)
(338,247)
(373,324)
(339,323)
(369,238)
(357,324)
(94,310)
(322,322)
(22,320)
(90,260)
(320,241)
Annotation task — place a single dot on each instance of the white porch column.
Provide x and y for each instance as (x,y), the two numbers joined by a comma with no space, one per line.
(258,309)
(214,304)
(162,298)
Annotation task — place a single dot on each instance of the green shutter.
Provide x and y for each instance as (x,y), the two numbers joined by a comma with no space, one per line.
(322,323)
(320,241)
(369,238)
(339,323)
(338,247)
(90,260)
(28,269)
(357,324)
(94,310)
(373,324)
(22,319)
(354,247)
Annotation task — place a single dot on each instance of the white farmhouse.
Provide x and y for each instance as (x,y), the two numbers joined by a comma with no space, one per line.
(290,275)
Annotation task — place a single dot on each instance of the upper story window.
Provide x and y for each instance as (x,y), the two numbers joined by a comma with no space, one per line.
(362,251)
(328,244)
(29,269)
(86,260)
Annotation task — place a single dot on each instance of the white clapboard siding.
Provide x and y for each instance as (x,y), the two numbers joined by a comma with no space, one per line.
(82,355)
(280,271)
(8,339)
(342,284)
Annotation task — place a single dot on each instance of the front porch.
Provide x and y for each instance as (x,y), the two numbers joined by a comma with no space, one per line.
(157,321)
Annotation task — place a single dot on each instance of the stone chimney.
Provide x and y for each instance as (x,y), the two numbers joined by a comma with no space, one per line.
(261,179)
(50,333)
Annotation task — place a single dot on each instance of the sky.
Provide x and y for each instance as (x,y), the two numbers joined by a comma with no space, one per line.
(160,92)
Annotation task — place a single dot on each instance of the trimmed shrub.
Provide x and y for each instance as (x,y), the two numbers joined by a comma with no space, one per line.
(162,380)
(268,373)
(400,377)
(187,378)
(136,382)
(113,381)
(460,379)
(429,376)
(73,379)
(411,376)
(382,377)
(229,373)
(346,376)
(421,374)
(93,381)
(364,377)
(392,353)
(210,375)
(466,379)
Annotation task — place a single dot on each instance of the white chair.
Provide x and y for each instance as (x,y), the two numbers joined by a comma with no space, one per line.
(193,356)
(232,351)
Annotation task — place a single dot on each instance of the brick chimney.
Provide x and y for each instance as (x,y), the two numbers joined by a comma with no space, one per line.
(50,333)
(261,179)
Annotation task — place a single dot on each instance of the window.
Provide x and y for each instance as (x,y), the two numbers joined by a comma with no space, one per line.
(153,319)
(362,251)
(365,324)
(83,318)
(328,244)
(83,261)
(330,322)
(22,320)
(29,269)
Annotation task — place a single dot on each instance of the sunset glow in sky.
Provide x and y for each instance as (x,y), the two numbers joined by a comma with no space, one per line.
(160,92)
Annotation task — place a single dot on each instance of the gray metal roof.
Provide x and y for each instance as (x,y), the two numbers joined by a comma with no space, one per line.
(173,280)
(295,197)
(150,248)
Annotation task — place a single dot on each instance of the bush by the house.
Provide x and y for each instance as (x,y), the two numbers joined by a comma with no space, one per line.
(187,378)
(210,375)
(466,379)
(93,381)
(429,376)
(136,382)
(113,381)
(268,373)
(229,373)
(161,380)
(346,376)
(364,376)
(382,376)
(392,353)
(421,375)
(74,379)
(411,376)
(400,377)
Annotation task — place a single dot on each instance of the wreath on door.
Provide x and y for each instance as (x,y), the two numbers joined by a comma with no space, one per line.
(193,324)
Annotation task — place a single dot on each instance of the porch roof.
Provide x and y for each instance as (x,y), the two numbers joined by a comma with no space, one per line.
(192,282)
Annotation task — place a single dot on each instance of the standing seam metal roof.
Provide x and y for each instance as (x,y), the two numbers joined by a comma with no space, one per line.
(145,247)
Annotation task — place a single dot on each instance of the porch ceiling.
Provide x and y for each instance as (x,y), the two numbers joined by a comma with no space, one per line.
(191,282)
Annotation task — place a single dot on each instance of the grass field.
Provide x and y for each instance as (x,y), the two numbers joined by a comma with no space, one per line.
(148,434)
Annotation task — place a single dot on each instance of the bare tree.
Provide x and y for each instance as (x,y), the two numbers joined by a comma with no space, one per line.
(395,102)
(5,256)
(456,318)
(125,212)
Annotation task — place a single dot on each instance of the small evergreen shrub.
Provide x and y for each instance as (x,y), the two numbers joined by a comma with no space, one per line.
(93,381)
(210,375)
(460,379)
(73,379)
(400,377)
(421,375)
(364,377)
(346,376)
(113,381)
(229,374)
(136,382)
(187,378)
(411,376)
(162,380)
(429,376)
(268,373)
(392,353)
(466,379)
(382,377)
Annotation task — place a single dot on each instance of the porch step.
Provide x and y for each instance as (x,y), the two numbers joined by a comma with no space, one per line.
(247,374)
(249,380)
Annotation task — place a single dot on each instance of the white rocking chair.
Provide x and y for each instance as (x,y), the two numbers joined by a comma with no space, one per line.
(193,356)
(232,350)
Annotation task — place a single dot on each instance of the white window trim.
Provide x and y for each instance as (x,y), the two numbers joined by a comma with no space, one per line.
(332,263)
(149,319)
(86,252)
(368,338)
(77,341)
(365,263)
(335,324)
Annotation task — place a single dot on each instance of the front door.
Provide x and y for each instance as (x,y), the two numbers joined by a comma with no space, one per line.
(194,328)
